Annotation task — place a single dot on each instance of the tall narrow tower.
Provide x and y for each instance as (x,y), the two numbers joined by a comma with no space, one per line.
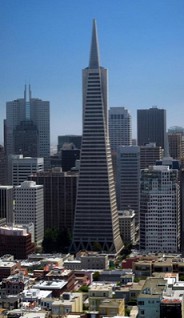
(96,218)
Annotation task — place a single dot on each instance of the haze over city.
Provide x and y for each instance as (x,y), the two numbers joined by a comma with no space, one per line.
(47,43)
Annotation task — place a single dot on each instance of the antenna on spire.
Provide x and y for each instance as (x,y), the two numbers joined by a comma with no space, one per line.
(29,92)
(25,88)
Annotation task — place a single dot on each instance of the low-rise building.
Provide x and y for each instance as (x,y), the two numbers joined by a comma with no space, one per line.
(35,295)
(113,275)
(10,302)
(8,268)
(14,285)
(142,268)
(129,292)
(57,287)
(88,260)
(112,307)
(27,313)
(64,275)
(93,260)
(97,293)
(149,298)
(69,302)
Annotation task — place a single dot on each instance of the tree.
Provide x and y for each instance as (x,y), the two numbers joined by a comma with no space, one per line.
(84,288)
(96,276)
(56,241)
(49,243)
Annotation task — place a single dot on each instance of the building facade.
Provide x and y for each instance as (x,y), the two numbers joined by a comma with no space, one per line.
(74,139)
(96,199)
(15,241)
(29,207)
(176,145)
(151,126)
(6,203)
(59,197)
(149,154)
(160,223)
(120,127)
(19,168)
(127,226)
(2,166)
(128,179)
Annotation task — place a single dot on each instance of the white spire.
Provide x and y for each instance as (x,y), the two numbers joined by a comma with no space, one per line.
(94,53)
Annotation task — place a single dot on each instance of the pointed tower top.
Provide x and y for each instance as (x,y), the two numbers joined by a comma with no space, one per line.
(94,54)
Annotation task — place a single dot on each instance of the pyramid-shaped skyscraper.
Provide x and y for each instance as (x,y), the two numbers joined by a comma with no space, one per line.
(96,219)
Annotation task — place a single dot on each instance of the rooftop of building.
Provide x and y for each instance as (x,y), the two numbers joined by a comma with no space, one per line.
(6,187)
(77,261)
(90,253)
(111,302)
(173,293)
(18,277)
(153,287)
(50,285)
(29,185)
(34,313)
(13,230)
(4,264)
(131,286)
(126,214)
(35,293)
(100,287)
(59,272)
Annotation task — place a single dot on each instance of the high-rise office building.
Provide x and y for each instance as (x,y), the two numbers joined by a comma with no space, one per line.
(26,139)
(149,154)
(3,164)
(96,218)
(176,142)
(182,207)
(6,203)
(59,197)
(128,179)
(74,139)
(151,126)
(160,223)
(120,127)
(27,127)
(19,168)
(29,207)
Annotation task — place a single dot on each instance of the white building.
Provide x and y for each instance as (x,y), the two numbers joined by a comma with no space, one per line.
(160,210)
(127,226)
(29,207)
(128,179)
(19,168)
(120,127)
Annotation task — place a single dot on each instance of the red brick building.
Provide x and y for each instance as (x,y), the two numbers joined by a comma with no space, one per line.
(15,241)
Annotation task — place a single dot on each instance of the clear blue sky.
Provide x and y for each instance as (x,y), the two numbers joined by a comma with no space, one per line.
(46,43)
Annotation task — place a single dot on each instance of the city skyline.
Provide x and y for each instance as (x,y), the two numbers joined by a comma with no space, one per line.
(141,45)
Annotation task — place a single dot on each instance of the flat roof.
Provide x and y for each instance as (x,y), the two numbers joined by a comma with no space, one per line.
(153,287)
(50,285)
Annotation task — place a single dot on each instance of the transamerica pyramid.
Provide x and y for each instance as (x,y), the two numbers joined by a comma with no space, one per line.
(96,219)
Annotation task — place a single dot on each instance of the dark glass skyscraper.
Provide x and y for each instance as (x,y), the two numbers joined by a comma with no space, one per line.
(151,126)
(96,218)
